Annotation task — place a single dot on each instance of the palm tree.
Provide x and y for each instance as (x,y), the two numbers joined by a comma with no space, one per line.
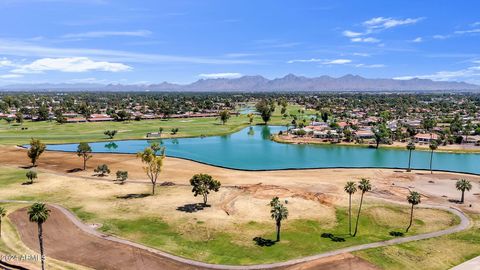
(462,185)
(410,148)
(3,212)
(433,146)
(364,186)
(278,213)
(39,213)
(413,198)
(350,188)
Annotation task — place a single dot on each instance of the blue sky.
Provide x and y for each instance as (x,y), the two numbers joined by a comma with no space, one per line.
(106,41)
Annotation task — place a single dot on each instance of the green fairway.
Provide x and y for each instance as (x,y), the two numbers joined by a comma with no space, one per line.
(300,237)
(53,132)
(437,253)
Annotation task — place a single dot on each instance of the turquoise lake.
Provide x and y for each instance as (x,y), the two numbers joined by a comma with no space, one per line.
(252,149)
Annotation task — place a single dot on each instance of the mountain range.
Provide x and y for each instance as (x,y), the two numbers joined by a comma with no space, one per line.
(257,83)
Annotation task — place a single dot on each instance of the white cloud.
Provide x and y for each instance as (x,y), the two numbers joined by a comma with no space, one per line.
(10,76)
(471,31)
(370,66)
(311,60)
(225,75)
(366,40)
(6,63)
(351,34)
(71,64)
(101,34)
(381,23)
(338,61)
(475,24)
(24,49)
(417,40)
(362,54)
(470,73)
(441,36)
(322,61)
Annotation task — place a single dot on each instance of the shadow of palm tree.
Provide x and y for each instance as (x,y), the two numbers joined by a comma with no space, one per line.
(133,196)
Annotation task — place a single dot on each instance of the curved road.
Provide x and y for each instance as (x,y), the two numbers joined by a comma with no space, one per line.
(187,263)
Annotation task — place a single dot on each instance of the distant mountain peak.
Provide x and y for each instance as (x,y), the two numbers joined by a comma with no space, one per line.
(289,82)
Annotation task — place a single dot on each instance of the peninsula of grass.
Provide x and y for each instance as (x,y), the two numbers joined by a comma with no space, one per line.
(436,253)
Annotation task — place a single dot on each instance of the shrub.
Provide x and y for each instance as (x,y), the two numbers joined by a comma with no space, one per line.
(122,176)
(102,170)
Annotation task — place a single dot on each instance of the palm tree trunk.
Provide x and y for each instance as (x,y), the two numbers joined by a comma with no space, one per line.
(350,214)
(279,224)
(358,215)
(40,240)
(431,159)
(409,160)
(463,196)
(411,219)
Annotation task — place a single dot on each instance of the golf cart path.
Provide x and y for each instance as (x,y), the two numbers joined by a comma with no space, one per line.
(63,219)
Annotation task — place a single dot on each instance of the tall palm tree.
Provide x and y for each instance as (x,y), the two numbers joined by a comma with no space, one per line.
(350,188)
(278,213)
(3,212)
(364,186)
(410,148)
(433,146)
(413,198)
(39,213)
(462,185)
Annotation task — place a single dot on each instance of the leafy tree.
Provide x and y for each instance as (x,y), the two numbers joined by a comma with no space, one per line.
(350,188)
(39,213)
(59,117)
(85,151)
(110,133)
(413,198)
(265,110)
(174,131)
(35,150)
(278,213)
(250,116)
(410,148)
(224,116)
(122,176)
(31,175)
(123,115)
(363,186)
(325,116)
(19,117)
(153,165)
(463,185)
(380,132)
(160,131)
(102,170)
(3,213)
(428,123)
(42,113)
(202,185)
(433,146)
(155,146)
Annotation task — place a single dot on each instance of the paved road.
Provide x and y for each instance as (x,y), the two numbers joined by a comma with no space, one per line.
(473,264)
(464,224)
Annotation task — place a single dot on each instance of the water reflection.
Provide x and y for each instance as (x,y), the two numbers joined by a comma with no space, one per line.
(111,146)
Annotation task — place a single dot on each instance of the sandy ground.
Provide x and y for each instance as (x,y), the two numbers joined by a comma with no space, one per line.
(324,184)
(244,196)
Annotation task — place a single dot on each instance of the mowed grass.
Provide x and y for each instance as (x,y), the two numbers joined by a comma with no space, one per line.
(437,253)
(52,132)
(300,237)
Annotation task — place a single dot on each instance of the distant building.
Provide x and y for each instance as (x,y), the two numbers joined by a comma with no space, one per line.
(425,137)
